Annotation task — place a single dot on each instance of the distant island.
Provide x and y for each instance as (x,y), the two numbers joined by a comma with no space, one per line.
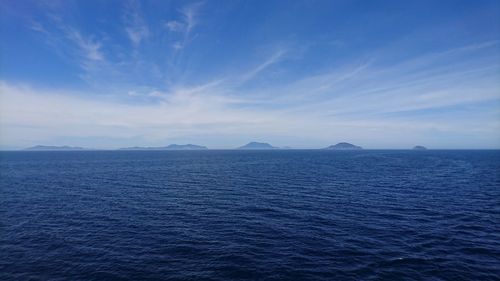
(249,146)
(344,146)
(419,147)
(257,145)
(53,148)
(168,147)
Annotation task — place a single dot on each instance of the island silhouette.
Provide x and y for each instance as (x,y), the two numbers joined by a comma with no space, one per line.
(419,147)
(253,145)
(53,147)
(344,146)
(257,145)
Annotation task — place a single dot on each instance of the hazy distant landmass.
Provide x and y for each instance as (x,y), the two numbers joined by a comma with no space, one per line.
(344,146)
(257,145)
(168,147)
(250,145)
(185,147)
(52,147)
(419,147)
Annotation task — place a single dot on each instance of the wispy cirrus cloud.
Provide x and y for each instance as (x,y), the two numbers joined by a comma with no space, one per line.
(175,26)
(100,59)
(273,59)
(89,47)
(135,25)
(190,14)
(38,27)
(71,44)
(185,24)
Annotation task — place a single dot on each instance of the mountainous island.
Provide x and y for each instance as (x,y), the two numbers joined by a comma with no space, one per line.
(344,146)
(53,148)
(419,147)
(251,145)
(168,147)
(257,145)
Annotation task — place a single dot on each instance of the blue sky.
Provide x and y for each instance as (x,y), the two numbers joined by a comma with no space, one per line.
(305,74)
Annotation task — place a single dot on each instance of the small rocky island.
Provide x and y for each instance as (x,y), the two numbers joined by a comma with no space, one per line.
(344,146)
(168,147)
(53,148)
(257,145)
(419,147)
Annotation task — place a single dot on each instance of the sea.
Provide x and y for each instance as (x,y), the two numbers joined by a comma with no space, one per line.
(250,215)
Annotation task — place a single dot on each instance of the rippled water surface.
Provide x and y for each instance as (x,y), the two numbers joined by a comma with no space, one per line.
(250,215)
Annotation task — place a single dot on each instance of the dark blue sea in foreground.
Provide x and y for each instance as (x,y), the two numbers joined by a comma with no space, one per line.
(250,215)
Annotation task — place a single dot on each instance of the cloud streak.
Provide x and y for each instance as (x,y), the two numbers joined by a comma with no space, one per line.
(185,25)
(135,26)
(90,48)
(274,59)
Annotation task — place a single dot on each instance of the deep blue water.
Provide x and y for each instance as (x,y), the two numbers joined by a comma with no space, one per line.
(250,215)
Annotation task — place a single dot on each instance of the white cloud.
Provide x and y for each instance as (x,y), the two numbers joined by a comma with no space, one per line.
(71,44)
(275,58)
(190,14)
(60,113)
(36,26)
(175,26)
(90,48)
(177,45)
(135,25)
(185,25)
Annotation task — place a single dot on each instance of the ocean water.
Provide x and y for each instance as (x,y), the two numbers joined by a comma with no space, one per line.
(250,215)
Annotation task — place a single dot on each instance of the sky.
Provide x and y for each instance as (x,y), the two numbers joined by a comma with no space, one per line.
(221,73)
